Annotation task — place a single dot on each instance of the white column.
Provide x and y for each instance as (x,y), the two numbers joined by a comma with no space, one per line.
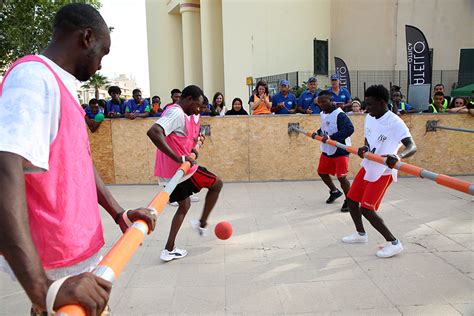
(212,47)
(192,55)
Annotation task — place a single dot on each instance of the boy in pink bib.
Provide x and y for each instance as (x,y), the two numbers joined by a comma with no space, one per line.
(174,134)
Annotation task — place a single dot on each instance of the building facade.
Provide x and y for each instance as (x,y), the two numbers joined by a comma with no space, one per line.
(217,44)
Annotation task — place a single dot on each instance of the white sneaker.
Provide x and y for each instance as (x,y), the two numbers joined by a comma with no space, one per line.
(390,250)
(196,224)
(194,198)
(174,204)
(355,238)
(175,254)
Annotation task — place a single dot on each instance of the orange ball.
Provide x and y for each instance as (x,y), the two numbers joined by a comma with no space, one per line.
(223,230)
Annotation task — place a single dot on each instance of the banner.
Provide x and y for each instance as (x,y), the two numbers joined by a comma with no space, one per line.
(418,57)
(343,72)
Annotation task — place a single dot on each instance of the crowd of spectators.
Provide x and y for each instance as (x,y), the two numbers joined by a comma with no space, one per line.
(261,102)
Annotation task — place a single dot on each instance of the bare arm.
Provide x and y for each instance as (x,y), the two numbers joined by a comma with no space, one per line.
(106,199)
(16,243)
(110,204)
(410,147)
(92,124)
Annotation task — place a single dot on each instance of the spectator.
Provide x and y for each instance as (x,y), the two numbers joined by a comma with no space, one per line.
(307,100)
(156,109)
(102,106)
(218,105)
(115,107)
(458,105)
(440,104)
(340,95)
(237,108)
(356,107)
(175,96)
(398,106)
(260,100)
(93,116)
(84,106)
(284,102)
(205,109)
(440,88)
(470,105)
(137,107)
(92,109)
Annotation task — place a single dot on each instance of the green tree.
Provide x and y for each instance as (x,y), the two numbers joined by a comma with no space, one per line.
(26,26)
(97,81)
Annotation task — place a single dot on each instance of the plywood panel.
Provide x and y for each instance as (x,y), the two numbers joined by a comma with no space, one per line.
(102,151)
(258,148)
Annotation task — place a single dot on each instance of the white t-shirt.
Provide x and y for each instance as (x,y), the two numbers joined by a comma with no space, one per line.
(384,136)
(174,121)
(29,122)
(329,127)
(30,111)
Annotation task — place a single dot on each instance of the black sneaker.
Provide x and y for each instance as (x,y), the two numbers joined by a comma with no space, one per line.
(345,208)
(333,196)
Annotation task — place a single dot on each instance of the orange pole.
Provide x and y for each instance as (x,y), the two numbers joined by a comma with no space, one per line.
(112,265)
(447,181)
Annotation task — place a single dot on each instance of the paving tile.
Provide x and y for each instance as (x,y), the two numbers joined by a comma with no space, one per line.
(429,310)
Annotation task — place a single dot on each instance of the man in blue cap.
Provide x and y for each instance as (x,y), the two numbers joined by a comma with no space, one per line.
(307,100)
(340,95)
(284,102)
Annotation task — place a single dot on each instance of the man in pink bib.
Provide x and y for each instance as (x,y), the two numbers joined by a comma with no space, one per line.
(51,225)
(174,134)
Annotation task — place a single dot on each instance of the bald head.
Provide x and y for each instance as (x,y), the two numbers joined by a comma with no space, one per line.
(78,16)
(80,39)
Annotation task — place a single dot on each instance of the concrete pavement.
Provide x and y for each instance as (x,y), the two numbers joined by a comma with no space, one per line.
(286,256)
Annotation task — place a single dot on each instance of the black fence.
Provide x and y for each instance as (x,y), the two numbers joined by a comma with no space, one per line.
(362,79)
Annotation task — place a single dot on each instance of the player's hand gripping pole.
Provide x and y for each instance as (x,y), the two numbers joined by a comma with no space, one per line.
(447,181)
(117,258)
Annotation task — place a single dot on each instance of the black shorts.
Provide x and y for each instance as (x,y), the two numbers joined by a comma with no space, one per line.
(202,178)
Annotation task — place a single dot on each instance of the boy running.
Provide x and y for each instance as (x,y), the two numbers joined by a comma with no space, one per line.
(174,136)
(384,133)
(335,125)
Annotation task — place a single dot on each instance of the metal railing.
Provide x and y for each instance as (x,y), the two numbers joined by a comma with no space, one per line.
(362,79)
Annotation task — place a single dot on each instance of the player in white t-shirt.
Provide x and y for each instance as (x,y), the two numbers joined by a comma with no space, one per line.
(384,133)
(32,105)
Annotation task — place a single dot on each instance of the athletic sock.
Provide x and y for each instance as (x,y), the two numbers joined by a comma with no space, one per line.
(395,242)
(361,234)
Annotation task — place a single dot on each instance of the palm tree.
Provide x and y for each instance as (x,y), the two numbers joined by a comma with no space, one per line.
(96,81)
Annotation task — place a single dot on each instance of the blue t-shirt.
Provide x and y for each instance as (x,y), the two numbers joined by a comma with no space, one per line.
(115,108)
(307,100)
(345,129)
(407,106)
(289,100)
(132,107)
(90,114)
(344,95)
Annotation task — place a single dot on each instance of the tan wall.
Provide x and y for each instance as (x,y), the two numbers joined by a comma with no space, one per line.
(370,35)
(259,149)
(165,49)
(268,37)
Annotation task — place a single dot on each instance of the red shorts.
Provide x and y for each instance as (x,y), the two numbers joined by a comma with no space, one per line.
(337,166)
(202,178)
(368,194)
